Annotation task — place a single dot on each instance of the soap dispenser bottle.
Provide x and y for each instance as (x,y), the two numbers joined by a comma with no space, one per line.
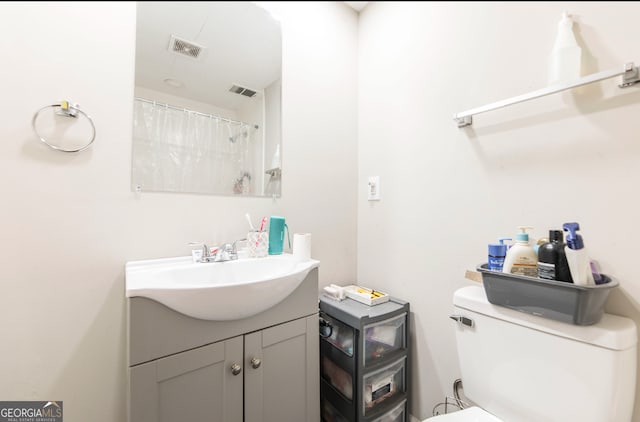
(521,259)
(566,57)
(552,260)
(577,256)
(497,253)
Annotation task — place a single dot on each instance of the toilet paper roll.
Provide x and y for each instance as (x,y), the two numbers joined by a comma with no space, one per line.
(302,246)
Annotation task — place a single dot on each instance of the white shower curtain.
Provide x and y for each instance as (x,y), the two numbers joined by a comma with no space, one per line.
(180,150)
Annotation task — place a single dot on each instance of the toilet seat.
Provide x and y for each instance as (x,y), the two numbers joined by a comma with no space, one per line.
(470,414)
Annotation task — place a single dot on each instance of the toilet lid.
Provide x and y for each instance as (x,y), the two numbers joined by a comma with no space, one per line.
(470,414)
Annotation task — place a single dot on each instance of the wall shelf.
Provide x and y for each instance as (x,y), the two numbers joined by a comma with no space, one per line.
(629,73)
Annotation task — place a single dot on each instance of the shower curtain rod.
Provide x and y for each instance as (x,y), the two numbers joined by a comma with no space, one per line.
(211,116)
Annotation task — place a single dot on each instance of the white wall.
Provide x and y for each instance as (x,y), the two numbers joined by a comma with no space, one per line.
(70,221)
(447,192)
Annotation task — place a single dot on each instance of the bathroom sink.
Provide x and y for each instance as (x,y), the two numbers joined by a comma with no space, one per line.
(218,291)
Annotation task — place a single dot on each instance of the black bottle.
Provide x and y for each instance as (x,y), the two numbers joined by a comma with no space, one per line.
(552,260)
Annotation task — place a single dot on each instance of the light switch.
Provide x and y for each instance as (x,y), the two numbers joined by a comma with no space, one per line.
(373,188)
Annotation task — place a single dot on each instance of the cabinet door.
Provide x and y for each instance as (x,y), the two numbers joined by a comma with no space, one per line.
(196,385)
(282,373)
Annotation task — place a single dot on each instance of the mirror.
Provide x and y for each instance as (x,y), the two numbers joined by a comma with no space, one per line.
(207,108)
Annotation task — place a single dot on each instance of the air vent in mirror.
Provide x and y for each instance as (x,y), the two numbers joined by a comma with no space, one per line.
(185,48)
(242,90)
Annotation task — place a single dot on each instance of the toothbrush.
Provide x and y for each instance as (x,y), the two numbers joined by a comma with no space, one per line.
(262,223)
(249,221)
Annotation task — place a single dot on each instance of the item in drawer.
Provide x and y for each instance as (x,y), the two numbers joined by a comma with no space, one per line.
(342,338)
(384,337)
(338,377)
(382,384)
(383,334)
(394,415)
(380,390)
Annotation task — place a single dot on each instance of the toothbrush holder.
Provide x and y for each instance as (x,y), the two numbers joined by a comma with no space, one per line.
(257,243)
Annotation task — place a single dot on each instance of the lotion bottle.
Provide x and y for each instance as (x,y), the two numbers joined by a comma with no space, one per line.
(566,57)
(577,256)
(521,259)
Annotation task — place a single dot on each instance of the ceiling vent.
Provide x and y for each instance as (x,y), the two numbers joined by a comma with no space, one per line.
(242,91)
(185,48)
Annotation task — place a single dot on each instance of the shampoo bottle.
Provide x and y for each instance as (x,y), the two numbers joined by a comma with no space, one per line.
(577,256)
(552,260)
(497,253)
(521,259)
(566,58)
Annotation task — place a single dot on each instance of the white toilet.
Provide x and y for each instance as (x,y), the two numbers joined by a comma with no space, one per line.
(523,368)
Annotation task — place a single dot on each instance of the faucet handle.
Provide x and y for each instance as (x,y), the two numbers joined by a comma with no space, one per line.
(226,252)
(235,243)
(206,252)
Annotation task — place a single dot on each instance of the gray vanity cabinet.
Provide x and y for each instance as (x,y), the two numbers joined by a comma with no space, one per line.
(196,385)
(280,388)
(206,384)
(182,369)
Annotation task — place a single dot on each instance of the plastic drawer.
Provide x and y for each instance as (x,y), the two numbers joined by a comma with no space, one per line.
(347,408)
(397,414)
(383,384)
(340,379)
(341,335)
(330,413)
(383,338)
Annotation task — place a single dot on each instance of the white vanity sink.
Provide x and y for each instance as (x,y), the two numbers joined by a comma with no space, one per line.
(219,291)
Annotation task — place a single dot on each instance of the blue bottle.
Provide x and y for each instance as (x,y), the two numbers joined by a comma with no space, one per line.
(277,226)
(497,253)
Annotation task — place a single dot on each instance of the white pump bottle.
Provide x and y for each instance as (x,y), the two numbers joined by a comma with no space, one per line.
(577,256)
(566,58)
(521,258)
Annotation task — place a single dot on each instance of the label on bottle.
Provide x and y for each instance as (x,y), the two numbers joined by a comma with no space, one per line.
(530,270)
(546,271)
(495,263)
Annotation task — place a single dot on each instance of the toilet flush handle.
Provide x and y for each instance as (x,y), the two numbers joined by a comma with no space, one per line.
(462,320)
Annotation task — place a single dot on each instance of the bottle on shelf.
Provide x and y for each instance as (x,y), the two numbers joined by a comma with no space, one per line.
(577,256)
(552,259)
(566,57)
(521,259)
(497,254)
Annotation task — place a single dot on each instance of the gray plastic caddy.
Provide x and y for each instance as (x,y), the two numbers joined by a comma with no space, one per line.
(562,301)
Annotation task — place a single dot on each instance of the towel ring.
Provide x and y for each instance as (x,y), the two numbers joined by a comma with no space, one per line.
(67,110)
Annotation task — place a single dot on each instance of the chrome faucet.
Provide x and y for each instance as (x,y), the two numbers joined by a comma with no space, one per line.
(226,252)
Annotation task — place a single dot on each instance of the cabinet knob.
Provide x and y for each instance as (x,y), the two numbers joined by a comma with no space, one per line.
(255,363)
(236,369)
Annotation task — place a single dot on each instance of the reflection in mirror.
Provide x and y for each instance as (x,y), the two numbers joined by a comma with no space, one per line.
(207,99)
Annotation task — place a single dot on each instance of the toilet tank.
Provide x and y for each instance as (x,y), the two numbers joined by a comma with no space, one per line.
(524,368)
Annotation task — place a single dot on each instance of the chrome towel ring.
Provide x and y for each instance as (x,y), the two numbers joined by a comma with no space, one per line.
(66,109)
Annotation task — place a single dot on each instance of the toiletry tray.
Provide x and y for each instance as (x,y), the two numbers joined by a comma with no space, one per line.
(558,300)
(366,295)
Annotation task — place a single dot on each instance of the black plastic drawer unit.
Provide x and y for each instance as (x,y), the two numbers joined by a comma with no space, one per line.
(364,361)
